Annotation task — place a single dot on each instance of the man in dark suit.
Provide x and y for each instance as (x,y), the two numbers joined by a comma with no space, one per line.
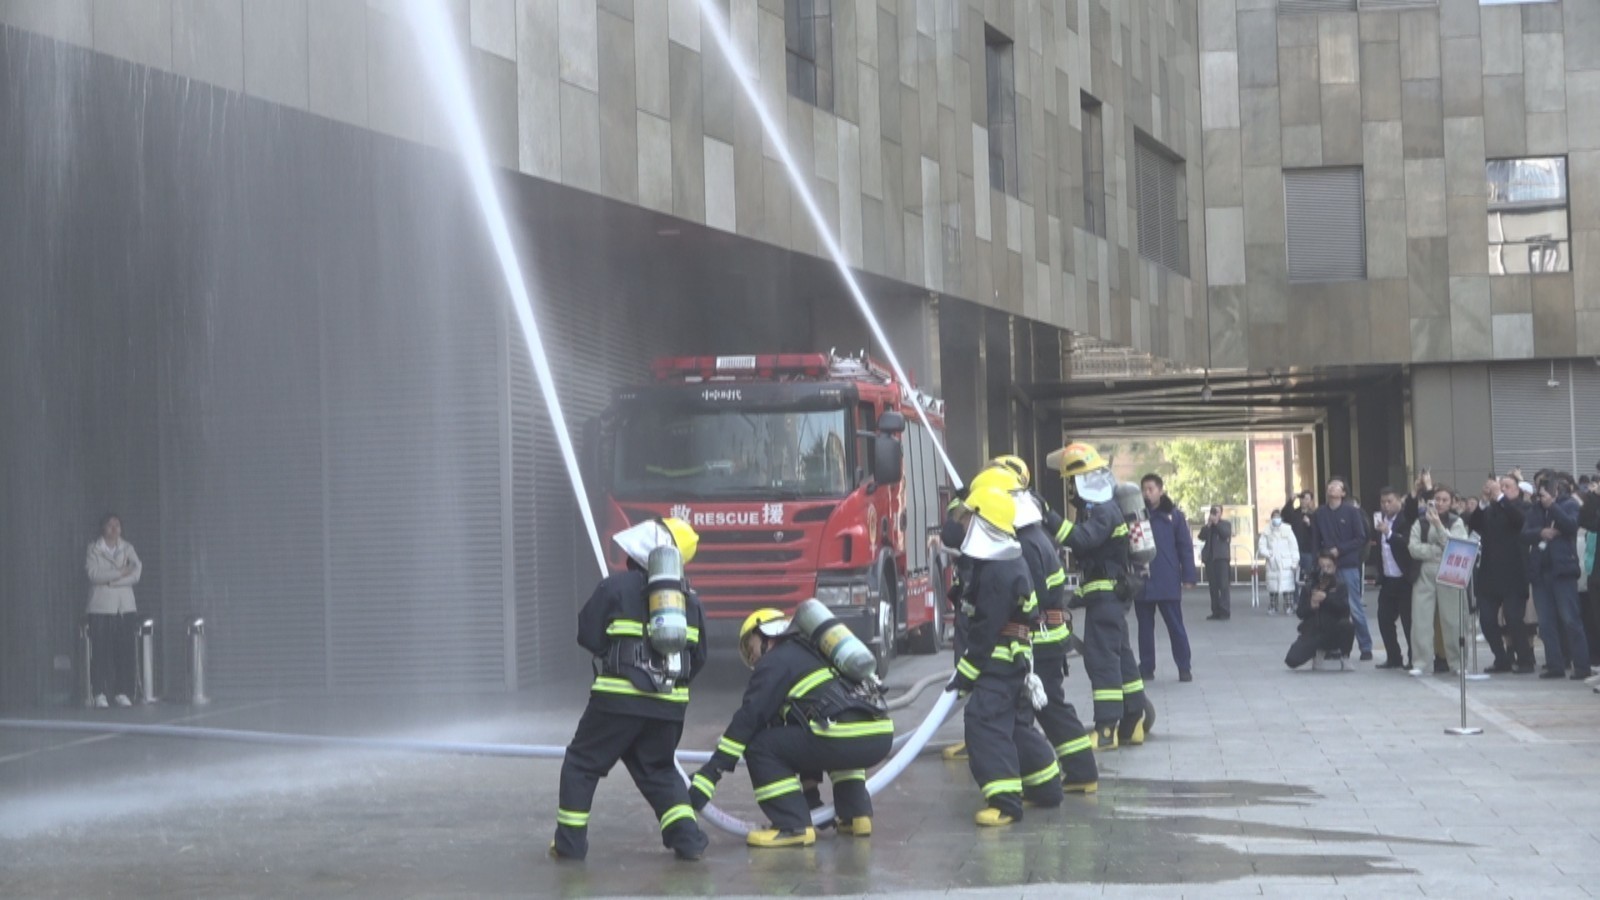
(1216,551)
(1390,529)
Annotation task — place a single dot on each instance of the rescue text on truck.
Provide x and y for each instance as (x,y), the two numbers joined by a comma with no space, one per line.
(807,475)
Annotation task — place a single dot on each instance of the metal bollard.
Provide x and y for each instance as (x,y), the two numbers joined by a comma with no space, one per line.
(147,662)
(86,658)
(1461,642)
(197,662)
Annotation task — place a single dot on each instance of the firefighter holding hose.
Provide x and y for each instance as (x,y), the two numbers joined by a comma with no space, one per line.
(1099,544)
(643,626)
(1053,632)
(1009,759)
(812,706)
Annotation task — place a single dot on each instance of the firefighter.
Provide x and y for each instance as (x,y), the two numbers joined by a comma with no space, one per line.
(637,701)
(1099,543)
(1051,639)
(951,534)
(1009,759)
(800,717)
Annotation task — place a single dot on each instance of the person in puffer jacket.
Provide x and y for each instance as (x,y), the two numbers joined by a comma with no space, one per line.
(1550,534)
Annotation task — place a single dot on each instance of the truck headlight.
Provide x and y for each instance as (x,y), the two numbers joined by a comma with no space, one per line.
(853,594)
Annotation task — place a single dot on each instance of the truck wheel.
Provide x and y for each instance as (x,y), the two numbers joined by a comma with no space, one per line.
(884,649)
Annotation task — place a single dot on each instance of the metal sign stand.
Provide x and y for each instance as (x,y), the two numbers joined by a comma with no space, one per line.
(1461,641)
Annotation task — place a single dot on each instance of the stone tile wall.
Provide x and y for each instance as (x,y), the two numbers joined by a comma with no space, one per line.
(631,99)
(1419,98)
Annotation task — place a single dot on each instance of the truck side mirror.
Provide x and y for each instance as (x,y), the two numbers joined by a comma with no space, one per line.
(886,459)
(891,422)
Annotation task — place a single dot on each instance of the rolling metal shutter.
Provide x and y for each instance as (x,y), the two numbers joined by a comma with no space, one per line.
(1326,217)
(1397,4)
(1586,415)
(1288,7)
(1533,422)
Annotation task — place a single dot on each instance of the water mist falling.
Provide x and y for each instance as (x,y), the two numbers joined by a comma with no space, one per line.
(712,17)
(436,39)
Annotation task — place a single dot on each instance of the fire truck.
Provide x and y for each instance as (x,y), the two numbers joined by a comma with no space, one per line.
(806,475)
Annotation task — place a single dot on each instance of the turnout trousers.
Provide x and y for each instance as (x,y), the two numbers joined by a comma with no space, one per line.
(1009,758)
(1073,744)
(1108,657)
(782,757)
(646,746)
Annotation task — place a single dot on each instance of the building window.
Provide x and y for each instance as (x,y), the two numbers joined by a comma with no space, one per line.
(808,45)
(1094,168)
(1528,216)
(1003,172)
(1163,205)
(1326,219)
(1315,6)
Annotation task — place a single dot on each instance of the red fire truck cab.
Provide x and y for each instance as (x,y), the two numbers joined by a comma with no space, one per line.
(806,475)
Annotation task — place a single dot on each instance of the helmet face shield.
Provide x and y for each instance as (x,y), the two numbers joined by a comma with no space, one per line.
(986,541)
(1096,486)
(1028,512)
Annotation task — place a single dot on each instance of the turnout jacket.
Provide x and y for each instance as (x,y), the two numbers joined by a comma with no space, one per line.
(793,684)
(1001,594)
(613,618)
(1049,588)
(1099,543)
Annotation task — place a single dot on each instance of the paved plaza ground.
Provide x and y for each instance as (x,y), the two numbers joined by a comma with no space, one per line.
(1257,781)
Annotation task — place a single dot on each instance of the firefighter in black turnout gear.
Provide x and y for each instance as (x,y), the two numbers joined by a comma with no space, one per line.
(1052,634)
(1009,759)
(1099,545)
(637,702)
(801,716)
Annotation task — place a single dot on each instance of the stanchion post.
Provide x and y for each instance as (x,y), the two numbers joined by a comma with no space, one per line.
(86,659)
(147,663)
(197,662)
(1461,641)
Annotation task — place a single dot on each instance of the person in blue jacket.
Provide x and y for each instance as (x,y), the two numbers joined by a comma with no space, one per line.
(1170,571)
(1338,527)
(1550,533)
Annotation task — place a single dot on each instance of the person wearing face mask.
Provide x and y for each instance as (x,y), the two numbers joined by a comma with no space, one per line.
(1324,611)
(1429,535)
(1281,550)
(1098,541)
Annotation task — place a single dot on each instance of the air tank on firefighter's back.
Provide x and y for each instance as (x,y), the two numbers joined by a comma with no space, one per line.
(668,628)
(1141,542)
(836,641)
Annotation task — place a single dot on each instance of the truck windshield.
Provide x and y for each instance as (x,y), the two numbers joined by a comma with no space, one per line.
(666,453)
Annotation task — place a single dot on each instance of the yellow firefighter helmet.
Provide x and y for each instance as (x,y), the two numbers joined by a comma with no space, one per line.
(1077,459)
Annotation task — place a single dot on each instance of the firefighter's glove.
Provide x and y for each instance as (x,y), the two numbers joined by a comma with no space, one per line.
(954,594)
(703,785)
(959,683)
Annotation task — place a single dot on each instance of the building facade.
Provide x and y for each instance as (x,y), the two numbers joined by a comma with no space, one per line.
(254,310)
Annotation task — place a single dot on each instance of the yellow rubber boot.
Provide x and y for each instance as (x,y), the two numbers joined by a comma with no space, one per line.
(989,817)
(955,752)
(1105,738)
(1136,737)
(860,826)
(772,837)
(1088,787)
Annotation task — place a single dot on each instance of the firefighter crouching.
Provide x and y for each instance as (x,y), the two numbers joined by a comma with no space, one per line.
(1053,632)
(1099,545)
(807,710)
(643,625)
(1009,759)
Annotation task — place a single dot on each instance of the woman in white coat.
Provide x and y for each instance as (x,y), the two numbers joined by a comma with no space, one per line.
(1279,547)
(113,570)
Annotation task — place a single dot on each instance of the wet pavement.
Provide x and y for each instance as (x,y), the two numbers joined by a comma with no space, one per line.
(1257,781)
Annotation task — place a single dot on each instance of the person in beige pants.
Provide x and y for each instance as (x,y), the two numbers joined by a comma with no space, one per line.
(1429,535)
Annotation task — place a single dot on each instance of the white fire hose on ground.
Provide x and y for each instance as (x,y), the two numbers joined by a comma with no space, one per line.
(907,746)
